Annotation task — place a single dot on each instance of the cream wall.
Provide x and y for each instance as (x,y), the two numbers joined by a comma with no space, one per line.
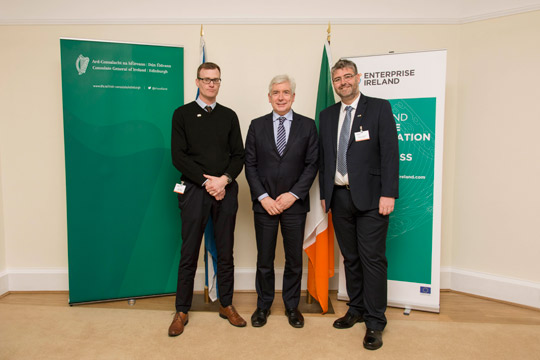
(249,55)
(476,224)
(2,242)
(4,284)
(496,205)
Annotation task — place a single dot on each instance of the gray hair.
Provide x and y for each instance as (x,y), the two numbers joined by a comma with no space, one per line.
(282,79)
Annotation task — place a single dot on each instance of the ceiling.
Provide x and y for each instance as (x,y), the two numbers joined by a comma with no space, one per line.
(258,11)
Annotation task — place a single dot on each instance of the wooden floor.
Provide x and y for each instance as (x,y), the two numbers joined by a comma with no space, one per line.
(455,307)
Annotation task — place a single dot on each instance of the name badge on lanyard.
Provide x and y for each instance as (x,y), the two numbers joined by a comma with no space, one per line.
(361,135)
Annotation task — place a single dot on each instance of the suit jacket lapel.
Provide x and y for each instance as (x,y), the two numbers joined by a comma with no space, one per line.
(358,114)
(334,116)
(269,132)
(295,126)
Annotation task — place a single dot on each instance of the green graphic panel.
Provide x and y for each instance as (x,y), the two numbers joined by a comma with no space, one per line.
(409,241)
(122,215)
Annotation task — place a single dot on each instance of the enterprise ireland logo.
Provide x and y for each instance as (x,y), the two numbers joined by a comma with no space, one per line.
(81,64)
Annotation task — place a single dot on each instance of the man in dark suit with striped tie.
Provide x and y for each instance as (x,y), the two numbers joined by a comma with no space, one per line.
(281,164)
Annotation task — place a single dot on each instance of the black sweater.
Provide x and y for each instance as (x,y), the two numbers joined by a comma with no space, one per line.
(206,143)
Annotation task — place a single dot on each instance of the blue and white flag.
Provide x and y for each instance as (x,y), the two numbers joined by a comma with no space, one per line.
(210,250)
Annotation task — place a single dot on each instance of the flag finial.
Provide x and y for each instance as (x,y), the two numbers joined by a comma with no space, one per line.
(328,32)
(202,31)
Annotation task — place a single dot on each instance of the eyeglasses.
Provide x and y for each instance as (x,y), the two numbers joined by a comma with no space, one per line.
(346,77)
(207,81)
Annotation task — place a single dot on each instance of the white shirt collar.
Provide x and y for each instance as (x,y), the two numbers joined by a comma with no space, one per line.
(288,115)
(203,105)
(354,104)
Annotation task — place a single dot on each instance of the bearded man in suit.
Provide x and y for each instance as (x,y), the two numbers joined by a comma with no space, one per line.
(359,174)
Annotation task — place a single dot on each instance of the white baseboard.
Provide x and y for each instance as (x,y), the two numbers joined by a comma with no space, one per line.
(446,276)
(495,287)
(57,280)
(4,283)
(244,279)
(37,279)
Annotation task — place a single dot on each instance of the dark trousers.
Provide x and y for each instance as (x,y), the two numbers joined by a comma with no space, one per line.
(196,205)
(266,229)
(361,236)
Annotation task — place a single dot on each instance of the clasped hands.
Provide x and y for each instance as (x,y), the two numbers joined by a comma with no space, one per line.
(276,207)
(215,186)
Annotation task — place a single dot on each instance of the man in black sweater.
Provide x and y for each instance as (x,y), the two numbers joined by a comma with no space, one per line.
(207,149)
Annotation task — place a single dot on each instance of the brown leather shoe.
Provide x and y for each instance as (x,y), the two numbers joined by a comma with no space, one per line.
(230,314)
(177,326)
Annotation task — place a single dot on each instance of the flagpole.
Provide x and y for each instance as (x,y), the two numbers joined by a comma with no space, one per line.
(328,32)
(206,292)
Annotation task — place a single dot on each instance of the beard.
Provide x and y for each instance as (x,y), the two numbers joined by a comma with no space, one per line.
(348,91)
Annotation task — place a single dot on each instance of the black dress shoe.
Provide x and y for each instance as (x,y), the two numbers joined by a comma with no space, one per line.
(259,317)
(348,321)
(373,339)
(295,317)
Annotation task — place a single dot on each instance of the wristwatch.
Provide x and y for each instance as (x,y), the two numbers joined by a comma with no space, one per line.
(229,178)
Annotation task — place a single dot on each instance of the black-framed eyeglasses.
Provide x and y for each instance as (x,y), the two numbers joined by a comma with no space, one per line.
(207,81)
(346,77)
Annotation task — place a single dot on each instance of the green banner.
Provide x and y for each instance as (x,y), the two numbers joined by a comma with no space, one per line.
(409,240)
(122,215)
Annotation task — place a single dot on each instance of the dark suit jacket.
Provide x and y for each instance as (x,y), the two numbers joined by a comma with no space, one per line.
(267,172)
(373,165)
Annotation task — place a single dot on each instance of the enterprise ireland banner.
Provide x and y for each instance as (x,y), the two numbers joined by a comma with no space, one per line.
(123,219)
(414,83)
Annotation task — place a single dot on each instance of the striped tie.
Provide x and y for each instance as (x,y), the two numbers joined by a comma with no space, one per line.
(344,142)
(281,139)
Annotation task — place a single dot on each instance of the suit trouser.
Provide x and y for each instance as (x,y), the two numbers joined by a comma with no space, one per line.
(266,229)
(361,236)
(196,205)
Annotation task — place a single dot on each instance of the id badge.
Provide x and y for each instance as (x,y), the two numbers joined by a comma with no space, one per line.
(361,135)
(180,188)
